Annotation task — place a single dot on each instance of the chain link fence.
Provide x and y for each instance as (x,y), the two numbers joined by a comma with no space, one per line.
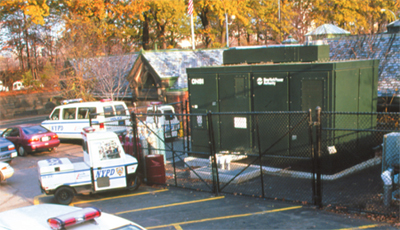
(329,159)
(357,148)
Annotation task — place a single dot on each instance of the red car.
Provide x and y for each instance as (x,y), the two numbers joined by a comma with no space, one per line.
(31,138)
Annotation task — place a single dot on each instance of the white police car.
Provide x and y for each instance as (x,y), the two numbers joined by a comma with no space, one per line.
(52,216)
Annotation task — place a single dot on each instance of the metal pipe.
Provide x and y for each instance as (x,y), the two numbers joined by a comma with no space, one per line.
(227,32)
(318,195)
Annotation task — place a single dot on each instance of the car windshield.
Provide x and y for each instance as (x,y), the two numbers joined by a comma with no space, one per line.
(34,129)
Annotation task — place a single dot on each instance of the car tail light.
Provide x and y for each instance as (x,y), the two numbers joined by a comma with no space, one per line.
(73,218)
(55,136)
(101,125)
(4,168)
(11,147)
(33,139)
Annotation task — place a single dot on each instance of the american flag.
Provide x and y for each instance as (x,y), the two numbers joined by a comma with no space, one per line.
(190,7)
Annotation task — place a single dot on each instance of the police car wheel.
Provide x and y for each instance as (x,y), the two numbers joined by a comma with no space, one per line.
(64,195)
(134,183)
(21,151)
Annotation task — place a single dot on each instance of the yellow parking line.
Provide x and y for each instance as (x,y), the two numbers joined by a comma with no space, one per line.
(171,205)
(363,227)
(116,197)
(177,227)
(36,200)
(225,217)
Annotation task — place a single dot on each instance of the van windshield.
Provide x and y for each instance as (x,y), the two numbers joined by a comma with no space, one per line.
(168,114)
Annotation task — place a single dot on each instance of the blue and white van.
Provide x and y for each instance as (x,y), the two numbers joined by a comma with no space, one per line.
(68,120)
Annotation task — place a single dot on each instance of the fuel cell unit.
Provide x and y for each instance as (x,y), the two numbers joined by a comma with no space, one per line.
(280,85)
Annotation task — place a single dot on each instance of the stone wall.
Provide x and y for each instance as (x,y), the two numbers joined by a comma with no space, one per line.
(384,47)
(23,105)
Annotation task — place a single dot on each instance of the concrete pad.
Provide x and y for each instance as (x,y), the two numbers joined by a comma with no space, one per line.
(227,175)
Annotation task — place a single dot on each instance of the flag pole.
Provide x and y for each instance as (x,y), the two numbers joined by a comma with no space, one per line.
(191,18)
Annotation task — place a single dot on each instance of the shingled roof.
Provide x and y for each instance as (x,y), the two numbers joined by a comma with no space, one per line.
(169,64)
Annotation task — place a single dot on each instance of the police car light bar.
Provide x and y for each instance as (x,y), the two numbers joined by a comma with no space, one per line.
(73,218)
(64,102)
(155,103)
(89,129)
(105,100)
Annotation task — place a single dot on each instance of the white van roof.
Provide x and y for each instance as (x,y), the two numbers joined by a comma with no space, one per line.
(91,103)
(161,107)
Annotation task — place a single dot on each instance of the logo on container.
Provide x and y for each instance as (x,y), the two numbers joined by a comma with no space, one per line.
(269,81)
(197,81)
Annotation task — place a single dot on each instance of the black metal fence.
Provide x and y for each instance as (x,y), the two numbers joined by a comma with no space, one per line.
(329,159)
(356,153)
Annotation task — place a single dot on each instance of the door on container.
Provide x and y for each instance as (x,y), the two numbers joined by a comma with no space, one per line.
(270,94)
(366,103)
(203,97)
(234,96)
(307,91)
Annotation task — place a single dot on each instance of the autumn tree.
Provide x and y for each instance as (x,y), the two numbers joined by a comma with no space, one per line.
(23,22)
(356,16)
(92,28)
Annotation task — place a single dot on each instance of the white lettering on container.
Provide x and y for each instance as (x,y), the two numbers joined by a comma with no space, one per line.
(269,81)
(197,81)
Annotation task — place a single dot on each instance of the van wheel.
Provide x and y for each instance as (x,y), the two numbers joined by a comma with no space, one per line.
(64,195)
(21,151)
(134,183)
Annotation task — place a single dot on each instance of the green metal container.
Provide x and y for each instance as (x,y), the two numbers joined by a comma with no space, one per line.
(277,54)
(349,86)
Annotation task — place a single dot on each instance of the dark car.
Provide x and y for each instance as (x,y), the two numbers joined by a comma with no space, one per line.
(7,150)
(31,138)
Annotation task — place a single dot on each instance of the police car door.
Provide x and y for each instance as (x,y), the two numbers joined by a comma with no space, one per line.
(68,125)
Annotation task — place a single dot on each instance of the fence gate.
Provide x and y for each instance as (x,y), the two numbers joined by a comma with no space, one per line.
(278,162)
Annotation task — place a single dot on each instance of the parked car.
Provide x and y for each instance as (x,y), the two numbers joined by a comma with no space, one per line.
(7,150)
(31,138)
(53,216)
(18,85)
(2,87)
(6,171)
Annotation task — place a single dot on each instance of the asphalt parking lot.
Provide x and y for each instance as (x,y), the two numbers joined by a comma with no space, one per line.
(157,207)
